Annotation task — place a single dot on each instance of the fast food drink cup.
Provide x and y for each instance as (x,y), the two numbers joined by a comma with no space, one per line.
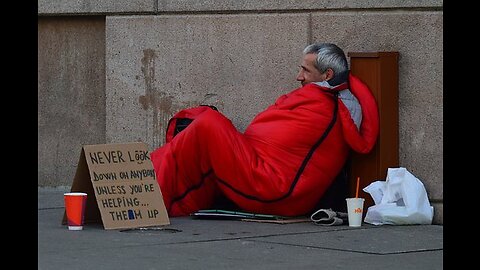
(75,203)
(355,211)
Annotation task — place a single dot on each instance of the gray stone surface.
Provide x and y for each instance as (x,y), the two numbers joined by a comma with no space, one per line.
(226,5)
(357,241)
(71,94)
(91,7)
(215,244)
(437,212)
(239,63)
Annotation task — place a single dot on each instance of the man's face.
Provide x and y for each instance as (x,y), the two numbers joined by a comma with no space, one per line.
(308,72)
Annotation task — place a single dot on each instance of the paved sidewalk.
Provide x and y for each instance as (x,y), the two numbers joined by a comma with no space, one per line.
(225,244)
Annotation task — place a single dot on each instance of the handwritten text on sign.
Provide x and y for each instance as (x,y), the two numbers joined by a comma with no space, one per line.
(125,185)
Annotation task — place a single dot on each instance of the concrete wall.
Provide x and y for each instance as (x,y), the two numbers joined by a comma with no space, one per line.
(71,93)
(115,71)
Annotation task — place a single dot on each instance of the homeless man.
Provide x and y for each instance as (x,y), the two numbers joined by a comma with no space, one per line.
(288,155)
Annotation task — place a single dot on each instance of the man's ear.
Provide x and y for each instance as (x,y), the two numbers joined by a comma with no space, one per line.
(329,74)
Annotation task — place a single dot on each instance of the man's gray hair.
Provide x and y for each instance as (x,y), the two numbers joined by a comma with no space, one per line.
(331,56)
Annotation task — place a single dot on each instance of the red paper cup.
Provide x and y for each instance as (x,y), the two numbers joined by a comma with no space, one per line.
(75,203)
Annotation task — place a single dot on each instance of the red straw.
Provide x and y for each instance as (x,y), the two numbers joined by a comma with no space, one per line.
(358,183)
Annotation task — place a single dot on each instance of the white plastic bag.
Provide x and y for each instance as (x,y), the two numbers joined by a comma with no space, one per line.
(400,200)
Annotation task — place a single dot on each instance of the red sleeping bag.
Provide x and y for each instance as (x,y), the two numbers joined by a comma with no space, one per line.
(282,164)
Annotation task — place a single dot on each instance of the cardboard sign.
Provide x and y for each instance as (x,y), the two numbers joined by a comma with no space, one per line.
(121,185)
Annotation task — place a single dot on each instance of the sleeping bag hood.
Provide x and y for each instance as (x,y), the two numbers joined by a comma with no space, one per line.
(363,140)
